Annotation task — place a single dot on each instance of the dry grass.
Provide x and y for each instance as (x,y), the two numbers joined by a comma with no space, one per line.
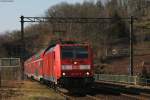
(27,90)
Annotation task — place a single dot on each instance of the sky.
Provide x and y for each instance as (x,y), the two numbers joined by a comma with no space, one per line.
(12,10)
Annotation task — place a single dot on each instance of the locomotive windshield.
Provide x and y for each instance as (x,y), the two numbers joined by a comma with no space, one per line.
(74,52)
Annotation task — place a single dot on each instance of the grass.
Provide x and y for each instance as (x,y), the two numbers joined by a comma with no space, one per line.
(30,91)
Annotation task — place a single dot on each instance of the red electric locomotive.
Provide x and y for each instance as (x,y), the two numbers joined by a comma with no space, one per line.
(66,64)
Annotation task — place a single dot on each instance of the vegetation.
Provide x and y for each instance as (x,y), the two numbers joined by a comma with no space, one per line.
(27,90)
(103,36)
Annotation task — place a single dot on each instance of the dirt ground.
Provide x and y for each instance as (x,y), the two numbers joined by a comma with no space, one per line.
(27,90)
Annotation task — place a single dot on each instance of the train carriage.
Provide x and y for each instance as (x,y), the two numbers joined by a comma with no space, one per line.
(33,67)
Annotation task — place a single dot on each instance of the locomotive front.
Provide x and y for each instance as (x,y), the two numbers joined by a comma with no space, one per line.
(76,65)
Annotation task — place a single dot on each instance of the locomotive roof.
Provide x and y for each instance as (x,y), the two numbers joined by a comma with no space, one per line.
(64,43)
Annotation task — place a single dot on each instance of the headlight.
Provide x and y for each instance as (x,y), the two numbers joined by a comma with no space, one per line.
(87,73)
(63,74)
(75,62)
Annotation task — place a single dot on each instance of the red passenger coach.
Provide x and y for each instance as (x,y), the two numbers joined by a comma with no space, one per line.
(33,67)
(66,64)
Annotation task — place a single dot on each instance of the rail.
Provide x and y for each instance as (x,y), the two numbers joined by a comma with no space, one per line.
(135,80)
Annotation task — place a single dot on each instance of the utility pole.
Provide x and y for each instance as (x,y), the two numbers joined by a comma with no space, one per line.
(131,46)
(0,73)
(22,29)
(22,46)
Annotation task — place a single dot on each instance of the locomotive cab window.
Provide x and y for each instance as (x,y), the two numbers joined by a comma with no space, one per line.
(81,52)
(77,52)
(67,52)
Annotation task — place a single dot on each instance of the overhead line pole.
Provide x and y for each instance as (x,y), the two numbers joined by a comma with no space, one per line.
(131,46)
(22,46)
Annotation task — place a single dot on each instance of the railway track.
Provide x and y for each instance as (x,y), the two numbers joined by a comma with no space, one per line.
(113,93)
(122,96)
(145,96)
(93,97)
(130,97)
(141,96)
(68,96)
(103,93)
(108,94)
(87,97)
(95,93)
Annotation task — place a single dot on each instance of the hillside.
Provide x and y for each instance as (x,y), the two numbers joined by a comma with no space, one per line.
(121,66)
